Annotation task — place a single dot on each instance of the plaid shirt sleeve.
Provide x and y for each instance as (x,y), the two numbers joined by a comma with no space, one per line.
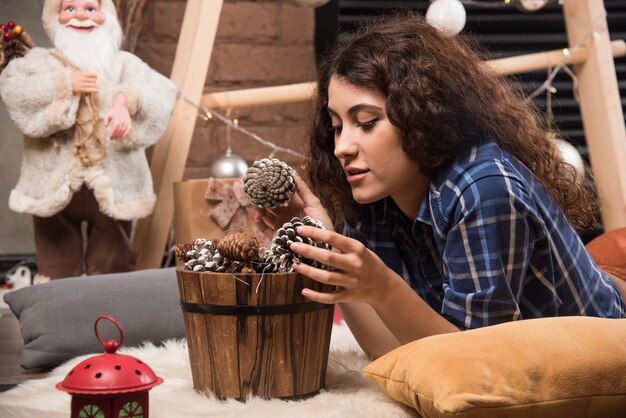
(487,251)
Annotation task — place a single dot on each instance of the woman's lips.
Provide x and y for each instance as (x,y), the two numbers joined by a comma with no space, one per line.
(355,176)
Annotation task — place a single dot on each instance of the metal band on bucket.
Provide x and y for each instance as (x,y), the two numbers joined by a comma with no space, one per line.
(253,310)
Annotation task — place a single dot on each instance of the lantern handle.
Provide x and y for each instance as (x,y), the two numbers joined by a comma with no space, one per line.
(117,325)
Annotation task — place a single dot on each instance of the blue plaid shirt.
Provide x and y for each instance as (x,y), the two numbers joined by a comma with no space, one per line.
(489,245)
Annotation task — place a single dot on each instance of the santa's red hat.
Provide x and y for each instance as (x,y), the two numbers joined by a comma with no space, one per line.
(51,9)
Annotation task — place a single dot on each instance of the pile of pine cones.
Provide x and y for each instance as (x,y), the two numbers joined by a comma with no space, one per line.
(239,252)
(269,183)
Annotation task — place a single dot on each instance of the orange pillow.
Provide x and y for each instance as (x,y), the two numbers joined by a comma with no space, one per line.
(609,252)
(559,367)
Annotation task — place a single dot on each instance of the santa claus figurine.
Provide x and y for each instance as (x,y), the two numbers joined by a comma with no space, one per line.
(87,111)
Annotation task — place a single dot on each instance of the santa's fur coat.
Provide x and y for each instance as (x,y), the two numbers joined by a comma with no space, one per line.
(37,91)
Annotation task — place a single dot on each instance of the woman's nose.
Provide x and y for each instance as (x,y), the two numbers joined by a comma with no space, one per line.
(345,144)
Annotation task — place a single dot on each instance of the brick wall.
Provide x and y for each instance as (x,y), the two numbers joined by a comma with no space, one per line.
(259,43)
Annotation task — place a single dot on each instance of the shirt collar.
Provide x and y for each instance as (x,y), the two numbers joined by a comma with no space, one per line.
(395,220)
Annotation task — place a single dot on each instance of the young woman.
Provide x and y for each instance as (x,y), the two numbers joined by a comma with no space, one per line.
(455,210)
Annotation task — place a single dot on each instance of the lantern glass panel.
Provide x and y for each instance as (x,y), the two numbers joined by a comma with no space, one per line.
(131,410)
(91,411)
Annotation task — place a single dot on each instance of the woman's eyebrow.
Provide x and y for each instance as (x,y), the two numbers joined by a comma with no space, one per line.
(356,108)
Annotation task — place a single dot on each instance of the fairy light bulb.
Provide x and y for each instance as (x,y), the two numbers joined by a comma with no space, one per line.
(446,15)
(531,5)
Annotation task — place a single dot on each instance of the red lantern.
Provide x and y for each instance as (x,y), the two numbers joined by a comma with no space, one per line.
(110,385)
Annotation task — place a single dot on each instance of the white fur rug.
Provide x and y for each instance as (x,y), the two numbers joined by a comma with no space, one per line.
(347,394)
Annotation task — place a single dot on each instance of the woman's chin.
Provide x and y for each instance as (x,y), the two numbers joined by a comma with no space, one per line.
(364,198)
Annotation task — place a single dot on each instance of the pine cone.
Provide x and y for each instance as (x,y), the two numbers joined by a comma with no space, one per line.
(206,260)
(264,263)
(241,267)
(218,263)
(282,256)
(239,246)
(200,243)
(16,47)
(269,183)
(181,251)
(201,255)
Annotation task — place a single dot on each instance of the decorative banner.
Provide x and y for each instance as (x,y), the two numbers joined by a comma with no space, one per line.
(234,210)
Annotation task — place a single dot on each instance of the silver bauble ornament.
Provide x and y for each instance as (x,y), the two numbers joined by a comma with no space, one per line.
(309,3)
(228,165)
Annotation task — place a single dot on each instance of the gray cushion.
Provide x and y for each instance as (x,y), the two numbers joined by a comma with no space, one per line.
(57,318)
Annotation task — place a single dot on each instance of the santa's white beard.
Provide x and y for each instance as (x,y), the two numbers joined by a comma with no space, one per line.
(93,51)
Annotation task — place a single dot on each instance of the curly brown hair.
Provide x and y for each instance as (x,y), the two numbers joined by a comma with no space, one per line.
(444,99)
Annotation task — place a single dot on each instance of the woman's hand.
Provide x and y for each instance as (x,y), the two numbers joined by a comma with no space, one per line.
(119,116)
(302,203)
(359,275)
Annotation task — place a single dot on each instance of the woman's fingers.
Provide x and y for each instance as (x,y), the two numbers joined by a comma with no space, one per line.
(307,196)
(323,276)
(321,255)
(334,239)
(323,297)
(334,278)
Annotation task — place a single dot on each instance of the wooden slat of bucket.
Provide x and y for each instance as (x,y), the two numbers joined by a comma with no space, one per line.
(223,335)
(268,355)
(194,325)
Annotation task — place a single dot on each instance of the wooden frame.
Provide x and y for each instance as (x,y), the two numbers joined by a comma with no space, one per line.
(601,110)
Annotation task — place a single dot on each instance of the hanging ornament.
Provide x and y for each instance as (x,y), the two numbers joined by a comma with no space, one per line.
(531,5)
(446,15)
(568,152)
(309,3)
(228,165)
(570,155)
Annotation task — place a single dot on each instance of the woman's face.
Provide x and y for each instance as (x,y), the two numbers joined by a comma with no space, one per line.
(369,148)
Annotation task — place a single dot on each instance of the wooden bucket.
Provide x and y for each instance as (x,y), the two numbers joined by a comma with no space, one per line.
(253,334)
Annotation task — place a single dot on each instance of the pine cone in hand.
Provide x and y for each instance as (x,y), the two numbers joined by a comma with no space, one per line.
(269,183)
(239,246)
(282,256)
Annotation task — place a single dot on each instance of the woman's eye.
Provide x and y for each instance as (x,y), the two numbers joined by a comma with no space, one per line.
(335,129)
(369,125)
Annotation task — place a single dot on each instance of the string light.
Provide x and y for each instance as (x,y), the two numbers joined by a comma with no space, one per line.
(524,5)
(566,53)
(234,124)
(208,115)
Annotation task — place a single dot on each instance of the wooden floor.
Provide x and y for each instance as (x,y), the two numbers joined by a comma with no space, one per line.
(11,373)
